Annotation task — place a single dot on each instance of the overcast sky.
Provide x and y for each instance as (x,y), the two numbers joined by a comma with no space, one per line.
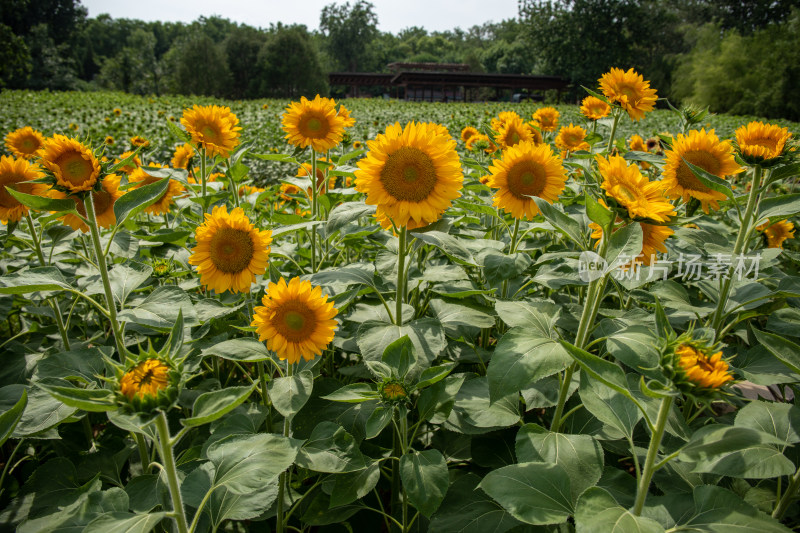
(393,15)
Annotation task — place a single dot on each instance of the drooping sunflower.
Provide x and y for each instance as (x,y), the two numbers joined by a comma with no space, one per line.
(626,184)
(24,142)
(213,127)
(296,320)
(134,163)
(760,143)
(348,121)
(468,132)
(702,149)
(74,166)
(526,170)
(103,205)
(571,138)
(230,251)
(313,123)
(777,233)
(547,117)
(182,156)
(512,132)
(411,173)
(594,109)
(161,205)
(14,173)
(629,90)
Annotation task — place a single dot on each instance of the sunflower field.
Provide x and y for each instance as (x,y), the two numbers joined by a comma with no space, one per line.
(400,317)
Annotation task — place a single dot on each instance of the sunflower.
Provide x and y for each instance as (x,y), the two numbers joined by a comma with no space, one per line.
(296,320)
(571,138)
(134,163)
(526,170)
(636,144)
(535,131)
(288,189)
(348,121)
(24,142)
(503,117)
(629,90)
(103,204)
(627,185)
(74,166)
(145,379)
(117,111)
(411,173)
(358,145)
(777,233)
(245,190)
(759,143)
(313,123)
(182,156)
(138,141)
(701,367)
(14,173)
(109,140)
(653,237)
(230,251)
(594,109)
(304,171)
(512,132)
(142,178)
(547,117)
(213,127)
(468,132)
(702,149)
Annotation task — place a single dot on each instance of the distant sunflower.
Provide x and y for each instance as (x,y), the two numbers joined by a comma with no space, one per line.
(626,184)
(759,143)
(702,149)
(571,138)
(138,141)
(134,163)
(313,123)
(411,173)
(230,251)
(777,233)
(24,142)
(296,320)
(358,145)
(160,206)
(304,171)
(74,166)
(636,143)
(526,170)
(512,132)
(117,111)
(503,117)
(468,132)
(182,156)
(14,173)
(594,109)
(103,205)
(629,90)
(213,127)
(109,140)
(535,131)
(547,117)
(347,120)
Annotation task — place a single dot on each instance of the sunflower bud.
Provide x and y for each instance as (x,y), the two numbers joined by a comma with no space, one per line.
(393,391)
(696,367)
(150,384)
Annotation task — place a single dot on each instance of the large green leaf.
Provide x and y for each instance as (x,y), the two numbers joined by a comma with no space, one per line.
(474,413)
(598,512)
(781,420)
(785,350)
(95,400)
(34,279)
(245,349)
(400,356)
(289,394)
(425,479)
(345,213)
(537,317)
(44,203)
(243,464)
(717,510)
(625,244)
(448,244)
(10,418)
(161,308)
(210,406)
(561,222)
(136,200)
(124,523)
(426,334)
(352,486)
(467,510)
(609,406)
(331,449)
(785,205)
(125,277)
(534,493)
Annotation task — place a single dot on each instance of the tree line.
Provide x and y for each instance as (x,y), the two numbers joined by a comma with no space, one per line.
(736,56)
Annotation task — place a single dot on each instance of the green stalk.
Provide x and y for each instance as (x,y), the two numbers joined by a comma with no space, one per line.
(168,460)
(203,175)
(399,497)
(617,113)
(283,479)
(745,230)
(9,461)
(652,453)
(401,267)
(788,496)
(101,266)
(144,456)
(512,249)
(314,209)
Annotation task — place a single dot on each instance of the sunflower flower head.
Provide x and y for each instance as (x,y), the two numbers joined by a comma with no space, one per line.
(347,120)
(73,165)
(295,319)
(629,188)
(502,117)
(141,176)
(571,138)
(696,367)
(761,144)
(314,123)
(629,91)
(512,132)
(24,142)
(132,165)
(212,127)
(777,233)
(393,391)
(14,174)
(468,132)
(152,383)
(547,118)
(139,142)
(594,108)
(182,157)
(103,201)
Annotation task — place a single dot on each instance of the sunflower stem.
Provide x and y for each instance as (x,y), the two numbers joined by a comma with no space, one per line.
(101,266)
(314,210)
(511,250)
(168,460)
(401,267)
(617,114)
(283,478)
(652,454)
(144,456)
(741,241)
(203,176)
(790,493)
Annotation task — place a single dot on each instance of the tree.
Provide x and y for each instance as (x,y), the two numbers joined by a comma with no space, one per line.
(196,65)
(290,65)
(135,67)
(242,47)
(350,32)
(15,58)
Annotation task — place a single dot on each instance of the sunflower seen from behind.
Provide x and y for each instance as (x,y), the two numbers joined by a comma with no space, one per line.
(103,201)
(777,233)
(141,177)
(411,173)
(629,90)
(24,142)
(230,251)
(295,319)
(526,170)
(630,189)
(72,164)
(313,123)
(14,174)
(212,127)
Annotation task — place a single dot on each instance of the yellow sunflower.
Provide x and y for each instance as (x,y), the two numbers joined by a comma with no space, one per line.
(535,131)
(288,189)
(653,237)
(702,149)
(296,320)
(759,142)
(74,166)
(230,251)
(526,170)
(103,205)
(411,173)
(109,140)
(468,132)
(348,121)
(142,178)
(701,367)
(627,185)
(594,109)
(117,111)
(777,233)
(636,143)
(386,223)
(14,173)
(132,165)
(358,145)
(245,190)
(571,138)
(502,117)
(629,90)
(512,132)
(182,156)
(547,118)
(313,123)
(145,379)
(24,142)
(138,141)
(213,127)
